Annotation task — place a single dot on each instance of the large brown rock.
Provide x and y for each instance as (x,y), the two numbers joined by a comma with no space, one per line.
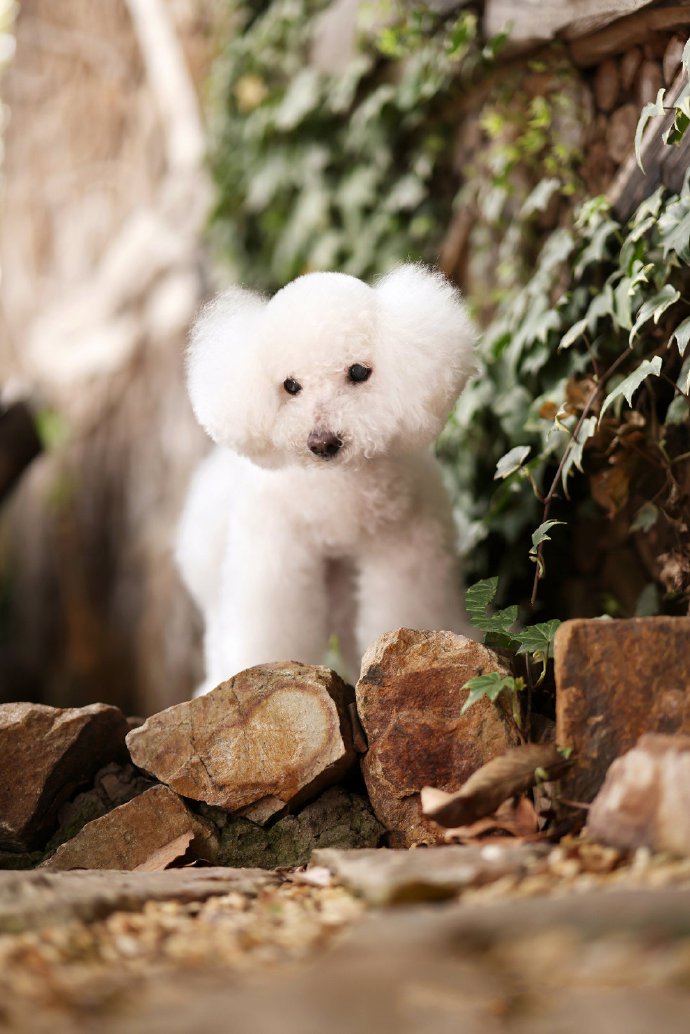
(46,753)
(616,680)
(645,799)
(409,699)
(149,832)
(270,736)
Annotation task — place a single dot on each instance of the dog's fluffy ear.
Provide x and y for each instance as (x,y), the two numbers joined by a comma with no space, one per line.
(425,342)
(229,395)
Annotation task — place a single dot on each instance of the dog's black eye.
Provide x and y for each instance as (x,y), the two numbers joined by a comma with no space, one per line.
(291,386)
(358,373)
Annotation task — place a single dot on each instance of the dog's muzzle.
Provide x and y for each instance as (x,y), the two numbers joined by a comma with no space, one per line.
(324,444)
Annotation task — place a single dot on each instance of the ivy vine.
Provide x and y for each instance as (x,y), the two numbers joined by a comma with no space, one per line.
(581,403)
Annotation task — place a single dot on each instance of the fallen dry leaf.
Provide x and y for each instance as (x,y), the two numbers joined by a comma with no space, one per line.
(514,818)
(610,487)
(492,784)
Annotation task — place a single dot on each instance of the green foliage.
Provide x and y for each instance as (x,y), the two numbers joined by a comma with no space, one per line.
(627,388)
(497,624)
(347,170)
(604,314)
(535,639)
(490,687)
(648,112)
(582,368)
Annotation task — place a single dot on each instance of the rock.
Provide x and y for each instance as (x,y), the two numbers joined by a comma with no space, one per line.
(649,82)
(32,900)
(606,85)
(533,20)
(409,701)
(113,785)
(270,736)
(149,832)
(46,753)
(654,46)
(621,134)
(672,58)
(386,877)
(598,167)
(336,819)
(616,680)
(645,799)
(630,63)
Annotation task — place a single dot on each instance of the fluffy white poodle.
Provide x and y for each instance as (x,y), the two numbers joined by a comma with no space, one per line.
(322,511)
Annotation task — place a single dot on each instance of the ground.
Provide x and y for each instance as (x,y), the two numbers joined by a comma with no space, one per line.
(573,936)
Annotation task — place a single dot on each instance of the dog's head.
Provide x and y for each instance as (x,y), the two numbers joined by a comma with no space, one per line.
(330,369)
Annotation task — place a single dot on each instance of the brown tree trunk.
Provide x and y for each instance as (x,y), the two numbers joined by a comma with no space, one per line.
(104,201)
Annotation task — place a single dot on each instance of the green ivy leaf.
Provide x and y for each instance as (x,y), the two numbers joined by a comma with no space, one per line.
(512,461)
(542,533)
(648,602)
(645,518)
(654,308)
(477,601)
(622,301)
(576,331)
(628,386)
(576,447)
(639,275)
(649,111)
(597,246)
(674,228)
(678,412)
(681,335)
(600,306)
(487,686)
(681,119)
(538,537)
(537,639)
(683,381)
(651,206)
(539,198)
(479,596)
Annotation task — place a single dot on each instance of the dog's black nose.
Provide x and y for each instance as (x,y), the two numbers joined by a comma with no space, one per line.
(324,444)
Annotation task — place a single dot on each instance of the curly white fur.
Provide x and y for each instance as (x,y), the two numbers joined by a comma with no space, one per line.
(281,547)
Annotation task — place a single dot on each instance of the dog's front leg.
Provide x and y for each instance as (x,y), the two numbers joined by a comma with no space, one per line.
(410,578)
(272,604)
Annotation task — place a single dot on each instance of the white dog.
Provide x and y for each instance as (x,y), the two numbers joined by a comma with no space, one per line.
(323,511)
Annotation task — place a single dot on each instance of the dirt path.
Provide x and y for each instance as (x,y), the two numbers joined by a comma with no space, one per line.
(557,948)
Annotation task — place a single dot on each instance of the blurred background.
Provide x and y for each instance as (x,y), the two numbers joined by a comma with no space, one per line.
(155,150)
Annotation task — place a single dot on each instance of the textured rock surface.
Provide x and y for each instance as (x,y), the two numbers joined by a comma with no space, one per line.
(390,877)
(30,900)
(336,819)
(616,680)
(46,754)
(645,799)
(271,735)
(150,832)
(409,701)
(113,785)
